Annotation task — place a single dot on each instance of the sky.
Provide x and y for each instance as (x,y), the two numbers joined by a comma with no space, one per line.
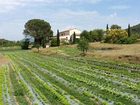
(65,14)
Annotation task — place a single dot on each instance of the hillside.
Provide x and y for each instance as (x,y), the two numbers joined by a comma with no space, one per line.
(7,43)
(136,29)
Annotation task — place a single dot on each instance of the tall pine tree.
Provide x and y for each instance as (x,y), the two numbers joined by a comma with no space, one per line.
(58,38)
(129,30)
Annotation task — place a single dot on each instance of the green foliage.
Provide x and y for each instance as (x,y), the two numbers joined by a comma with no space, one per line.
(2,83)
(74,38)
(135,35)
(19,92)
(115,26)
(7,43)
(25,44)
(83,45)
(50,79)
(58,38)
(135,29)
(129,30)
(92,36)
(127,40)
(77,40)
(85,34)
(64,42)
(107,27)
(115,35)
(54,42)
(40,30)
(97,35)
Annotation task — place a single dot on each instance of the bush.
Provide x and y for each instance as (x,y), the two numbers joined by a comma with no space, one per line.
(83,45)
(94,35)
(85,34)
(65,42)
(54,42)
(113,36)
(25,44)
(127,40)
(77,40)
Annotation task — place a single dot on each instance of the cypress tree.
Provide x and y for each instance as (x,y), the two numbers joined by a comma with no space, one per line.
(129,30)
(107,28)
(58,38)
(74,38)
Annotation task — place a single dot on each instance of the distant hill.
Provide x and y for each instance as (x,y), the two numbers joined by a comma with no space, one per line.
(2,41)
(6,43)
(136,29)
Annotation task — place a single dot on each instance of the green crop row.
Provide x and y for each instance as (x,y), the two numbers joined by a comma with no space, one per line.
(64,80)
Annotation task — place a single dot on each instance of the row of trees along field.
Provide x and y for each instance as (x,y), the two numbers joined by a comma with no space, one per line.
(114,34)
(120,36)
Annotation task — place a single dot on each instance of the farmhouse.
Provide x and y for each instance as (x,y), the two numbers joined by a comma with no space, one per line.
(68,34)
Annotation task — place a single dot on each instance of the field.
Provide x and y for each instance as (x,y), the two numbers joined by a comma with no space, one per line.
(124,53)
(29,78)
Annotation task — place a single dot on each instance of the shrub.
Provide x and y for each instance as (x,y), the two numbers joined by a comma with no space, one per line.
(115,35)
(64,42)
(85,34)
(94,35)
(83,45)
(77,40)
(54,42)
(127,40)
(25,44)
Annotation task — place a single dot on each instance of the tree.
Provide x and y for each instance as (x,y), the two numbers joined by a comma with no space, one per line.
(74,38)
(25,44)
(92,36)
(40,30)
(107,27)
(58,38)
(97,35)
(85,34)
(129,30)
(115,35)
(83,45)
(54,42)
(115,26)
